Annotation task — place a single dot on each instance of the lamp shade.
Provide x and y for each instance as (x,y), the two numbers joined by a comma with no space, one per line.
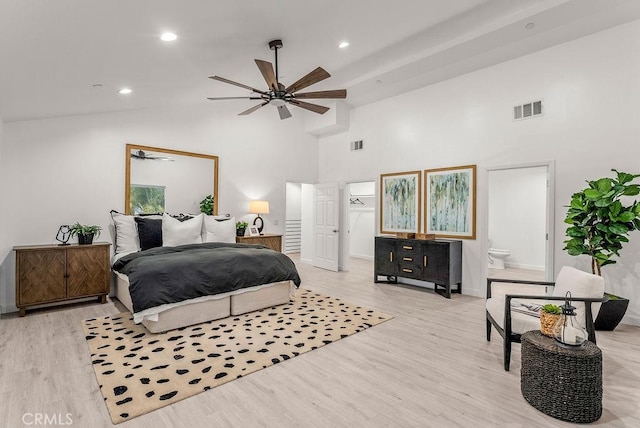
(259,207)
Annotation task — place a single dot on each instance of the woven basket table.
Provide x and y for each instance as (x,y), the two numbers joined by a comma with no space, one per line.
(561,382)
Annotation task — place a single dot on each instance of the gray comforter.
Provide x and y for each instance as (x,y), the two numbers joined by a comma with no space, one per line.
(172,274)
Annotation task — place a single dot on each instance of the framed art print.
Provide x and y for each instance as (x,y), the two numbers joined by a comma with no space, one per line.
(450,202)
(400,202)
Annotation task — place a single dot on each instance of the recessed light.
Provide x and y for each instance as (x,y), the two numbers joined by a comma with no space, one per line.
(97,85)
(343,45)
(168,37)
(530,26)
(125,91)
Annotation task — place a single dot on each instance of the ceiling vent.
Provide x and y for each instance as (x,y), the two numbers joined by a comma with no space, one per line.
(527,110)
(356,145)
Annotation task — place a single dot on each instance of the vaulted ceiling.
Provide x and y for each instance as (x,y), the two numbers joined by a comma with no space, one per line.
(70,57)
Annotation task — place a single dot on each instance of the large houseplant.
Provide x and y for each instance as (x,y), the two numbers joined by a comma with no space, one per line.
(601,218)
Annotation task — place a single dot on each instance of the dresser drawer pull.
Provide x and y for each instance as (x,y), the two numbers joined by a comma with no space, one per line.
(407,259)
(425,261)
(407,270)
(406,247)
(390,256)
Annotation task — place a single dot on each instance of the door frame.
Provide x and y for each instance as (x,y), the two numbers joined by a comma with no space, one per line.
(550,215)
(345,231)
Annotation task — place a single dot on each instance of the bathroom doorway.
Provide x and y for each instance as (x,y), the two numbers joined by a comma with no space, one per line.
(520,221)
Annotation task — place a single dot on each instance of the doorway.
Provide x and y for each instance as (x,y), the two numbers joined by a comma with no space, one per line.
(360,221)
(520,221)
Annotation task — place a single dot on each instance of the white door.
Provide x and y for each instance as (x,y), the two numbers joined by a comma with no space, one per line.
(326,221)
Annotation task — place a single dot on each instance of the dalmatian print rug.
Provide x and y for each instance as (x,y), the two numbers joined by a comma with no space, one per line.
(139,371)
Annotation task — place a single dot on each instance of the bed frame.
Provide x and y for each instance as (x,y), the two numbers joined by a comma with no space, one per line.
(240,302)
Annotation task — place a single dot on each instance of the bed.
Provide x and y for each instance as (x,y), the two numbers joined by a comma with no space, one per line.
(190,279)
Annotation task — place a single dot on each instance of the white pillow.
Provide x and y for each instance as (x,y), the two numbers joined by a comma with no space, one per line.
(126,233)
(219,229)
(176,232)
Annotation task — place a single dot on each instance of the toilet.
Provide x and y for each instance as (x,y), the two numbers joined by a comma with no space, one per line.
(496,258)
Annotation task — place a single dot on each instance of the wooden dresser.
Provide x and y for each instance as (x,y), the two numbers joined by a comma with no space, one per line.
(268,240)
(57,273)
(437,261)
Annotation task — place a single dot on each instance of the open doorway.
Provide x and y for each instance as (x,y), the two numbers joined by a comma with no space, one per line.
(298,233)
(520,222)
(359,219)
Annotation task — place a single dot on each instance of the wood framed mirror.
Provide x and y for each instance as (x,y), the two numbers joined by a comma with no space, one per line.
(166,180)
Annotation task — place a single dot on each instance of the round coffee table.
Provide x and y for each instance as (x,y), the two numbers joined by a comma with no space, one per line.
(565,383)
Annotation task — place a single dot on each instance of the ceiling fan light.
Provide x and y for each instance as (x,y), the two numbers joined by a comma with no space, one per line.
(277,102)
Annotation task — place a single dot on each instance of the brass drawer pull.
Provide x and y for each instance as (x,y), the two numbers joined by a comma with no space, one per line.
(407,259)
(406,247)
(390,256)
(407,270)
(425,261)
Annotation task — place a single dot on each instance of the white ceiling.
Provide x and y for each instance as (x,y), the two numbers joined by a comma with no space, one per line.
(53,52)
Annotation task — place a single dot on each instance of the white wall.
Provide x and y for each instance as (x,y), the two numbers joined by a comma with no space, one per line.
(591,124)
(63,170)
(294,201)
(509,191)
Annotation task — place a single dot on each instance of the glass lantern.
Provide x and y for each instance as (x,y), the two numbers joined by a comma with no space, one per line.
(568,330)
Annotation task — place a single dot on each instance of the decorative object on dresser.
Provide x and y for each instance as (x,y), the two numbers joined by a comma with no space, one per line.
(269,240)
(53,273)
(259,207)
(450,202)
(400,202)
(63,235)
(204,356)
(436,261)
(85,233)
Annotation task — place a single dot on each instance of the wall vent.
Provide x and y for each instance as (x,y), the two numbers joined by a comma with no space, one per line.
(356,145)
(527,110)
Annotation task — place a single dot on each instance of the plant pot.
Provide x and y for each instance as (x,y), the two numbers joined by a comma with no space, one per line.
(85,239)
(240,232)
(611,313)
(547,321)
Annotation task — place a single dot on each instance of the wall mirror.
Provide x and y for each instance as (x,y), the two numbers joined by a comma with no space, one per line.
(166,180)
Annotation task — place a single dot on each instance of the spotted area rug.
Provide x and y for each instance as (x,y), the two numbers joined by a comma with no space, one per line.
(139,371)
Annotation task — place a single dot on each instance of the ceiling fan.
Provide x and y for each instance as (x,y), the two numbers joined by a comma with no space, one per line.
(141,155)
(278,95)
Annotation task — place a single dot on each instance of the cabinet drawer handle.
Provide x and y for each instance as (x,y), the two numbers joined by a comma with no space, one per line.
(390,256)
(406,247)
(425,261)
(407,259)
(407,270)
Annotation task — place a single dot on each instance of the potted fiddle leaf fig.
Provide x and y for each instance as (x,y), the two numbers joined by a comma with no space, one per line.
(85,233)
(600,219)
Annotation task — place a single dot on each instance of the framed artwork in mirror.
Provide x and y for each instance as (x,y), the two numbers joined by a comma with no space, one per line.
(400,195)
(450,202)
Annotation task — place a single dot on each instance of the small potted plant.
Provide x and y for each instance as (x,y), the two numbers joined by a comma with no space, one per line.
(206,205)
(549,316)
(85,233)
(241,227)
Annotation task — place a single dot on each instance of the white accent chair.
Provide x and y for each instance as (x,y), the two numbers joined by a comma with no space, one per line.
(587,291)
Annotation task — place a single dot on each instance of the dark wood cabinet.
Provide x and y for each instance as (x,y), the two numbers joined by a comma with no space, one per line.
(54,273)
(436,261)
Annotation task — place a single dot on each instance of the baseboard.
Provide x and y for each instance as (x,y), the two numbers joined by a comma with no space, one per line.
(630,320)
(361,256)
(524,266)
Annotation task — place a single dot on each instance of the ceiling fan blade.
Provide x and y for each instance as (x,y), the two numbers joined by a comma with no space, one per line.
(311,107)
(266,68)
(336,93)
(284,112)
(315,76)
(231,82)
(252,109)
(233,98)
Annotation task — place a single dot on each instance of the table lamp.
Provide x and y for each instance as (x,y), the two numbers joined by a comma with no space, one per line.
(259,207)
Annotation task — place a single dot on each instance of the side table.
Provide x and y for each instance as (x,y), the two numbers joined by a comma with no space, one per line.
(561,382)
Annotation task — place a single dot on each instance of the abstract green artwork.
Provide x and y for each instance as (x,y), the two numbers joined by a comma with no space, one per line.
(400,195)
(450,202)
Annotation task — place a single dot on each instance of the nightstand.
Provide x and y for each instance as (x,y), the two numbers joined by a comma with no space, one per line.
(268,240)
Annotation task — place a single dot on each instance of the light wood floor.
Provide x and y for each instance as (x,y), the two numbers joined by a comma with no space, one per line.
(430,366)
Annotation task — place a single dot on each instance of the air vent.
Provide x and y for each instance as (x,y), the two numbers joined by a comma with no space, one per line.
(356,145)
(527,110)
